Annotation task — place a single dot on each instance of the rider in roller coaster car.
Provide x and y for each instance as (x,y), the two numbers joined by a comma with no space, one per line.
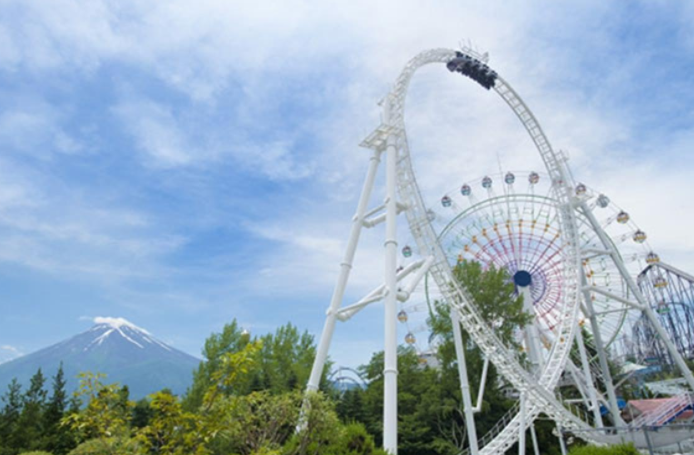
(474,69)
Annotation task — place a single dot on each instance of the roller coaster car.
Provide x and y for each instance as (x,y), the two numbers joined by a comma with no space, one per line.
(474,69)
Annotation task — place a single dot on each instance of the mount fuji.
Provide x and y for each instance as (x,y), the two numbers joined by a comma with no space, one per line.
(127,354)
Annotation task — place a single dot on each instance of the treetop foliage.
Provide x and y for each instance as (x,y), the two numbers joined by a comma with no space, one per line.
(247,398)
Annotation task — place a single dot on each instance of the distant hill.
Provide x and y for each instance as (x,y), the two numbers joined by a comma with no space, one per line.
(126,353)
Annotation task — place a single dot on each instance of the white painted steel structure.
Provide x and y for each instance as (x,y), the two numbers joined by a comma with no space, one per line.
(509,221)
(403,196)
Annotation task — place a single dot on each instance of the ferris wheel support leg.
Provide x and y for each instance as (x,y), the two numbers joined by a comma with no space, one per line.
(345,269)
(645,307)
(532,334)
(592,395)
(468,410)
(602,357)
(390,360)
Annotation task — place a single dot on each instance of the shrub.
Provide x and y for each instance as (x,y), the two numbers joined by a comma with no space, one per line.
(355,440)
(620,449)
(107,446)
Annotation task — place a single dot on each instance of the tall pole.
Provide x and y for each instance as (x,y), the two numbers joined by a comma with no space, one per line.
(536,447)
(522,429)
(602,356)
(345,269)
(390,368)
(465,384)
(562,443)
(592,395)
(532,334)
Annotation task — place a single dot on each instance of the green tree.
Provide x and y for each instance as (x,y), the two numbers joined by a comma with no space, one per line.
(30,425)
(420,400)
(57,438)
(350,406)
(175,431)
(257,421)
(285,359)
(142,413)
(171,430)
(283,364)
(9,419)
(265,423)
(493,293)
(108,446)
(231,339)
(429,399)
(107,413)
(322,431)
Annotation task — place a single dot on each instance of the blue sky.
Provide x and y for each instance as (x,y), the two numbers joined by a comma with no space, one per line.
(180,164)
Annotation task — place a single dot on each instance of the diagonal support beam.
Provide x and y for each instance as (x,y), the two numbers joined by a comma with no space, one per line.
(344,314)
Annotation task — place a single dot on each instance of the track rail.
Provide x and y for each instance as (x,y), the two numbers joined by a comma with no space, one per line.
(539,389)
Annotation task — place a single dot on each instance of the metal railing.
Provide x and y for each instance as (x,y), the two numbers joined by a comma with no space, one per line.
(666,412)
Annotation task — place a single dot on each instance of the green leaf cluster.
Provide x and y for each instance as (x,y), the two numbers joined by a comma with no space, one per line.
(282,364)
(30,420)
(231,417)
(247,397)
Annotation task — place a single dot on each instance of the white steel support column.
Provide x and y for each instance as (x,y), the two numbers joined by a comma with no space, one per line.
(521,428)
(592,394)
(345,268)
(562,443)
(468,410)
(647,310)
(532,334)
(602,357)
(390,370)
(536,447)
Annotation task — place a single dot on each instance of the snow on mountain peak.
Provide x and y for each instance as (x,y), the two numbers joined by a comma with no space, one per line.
(117,323)
(136,335)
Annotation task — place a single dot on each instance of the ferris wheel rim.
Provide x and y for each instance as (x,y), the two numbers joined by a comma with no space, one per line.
(526,196)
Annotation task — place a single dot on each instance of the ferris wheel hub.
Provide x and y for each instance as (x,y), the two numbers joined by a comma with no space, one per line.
(522,278)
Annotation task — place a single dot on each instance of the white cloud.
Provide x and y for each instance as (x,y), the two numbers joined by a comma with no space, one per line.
(157,133)
(63,230)
(274,159)
(305,258)
(238,56)
(34,127)
(8,353)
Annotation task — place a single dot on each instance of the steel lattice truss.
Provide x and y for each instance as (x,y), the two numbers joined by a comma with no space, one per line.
(671,294)
(582,277)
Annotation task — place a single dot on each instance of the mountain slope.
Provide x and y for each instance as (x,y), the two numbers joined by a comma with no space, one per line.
(126,353)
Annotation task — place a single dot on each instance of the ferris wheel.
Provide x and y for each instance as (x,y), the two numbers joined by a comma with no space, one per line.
(578,276)
(510,221)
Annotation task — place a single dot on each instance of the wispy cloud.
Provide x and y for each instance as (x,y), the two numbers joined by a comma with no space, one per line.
(157,133)
(217,165)
(8,353)
(34,127)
